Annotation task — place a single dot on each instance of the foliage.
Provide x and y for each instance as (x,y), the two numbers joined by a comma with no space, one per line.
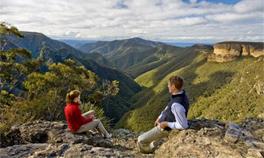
(7,29)
(99,112)
(47,91)
(14,66)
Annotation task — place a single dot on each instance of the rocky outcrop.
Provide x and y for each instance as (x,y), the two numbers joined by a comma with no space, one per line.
(204,138)
(212,139)
(228,51)
(52,139)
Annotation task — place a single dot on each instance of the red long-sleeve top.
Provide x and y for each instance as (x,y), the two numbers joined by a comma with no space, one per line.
(74,117)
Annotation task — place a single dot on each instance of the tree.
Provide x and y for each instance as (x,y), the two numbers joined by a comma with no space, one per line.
(6,29)
(62,78)
(14,66)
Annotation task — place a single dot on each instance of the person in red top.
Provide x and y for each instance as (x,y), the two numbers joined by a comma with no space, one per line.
(78,122)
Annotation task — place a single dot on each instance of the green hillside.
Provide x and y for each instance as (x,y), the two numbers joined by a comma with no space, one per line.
(224,91)
(34,42)
(160,55)
(123,53)
(100,59)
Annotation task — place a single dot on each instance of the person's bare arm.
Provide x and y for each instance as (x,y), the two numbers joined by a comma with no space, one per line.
(156,122)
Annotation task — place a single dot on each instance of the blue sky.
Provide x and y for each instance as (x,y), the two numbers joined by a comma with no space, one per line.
(164,20)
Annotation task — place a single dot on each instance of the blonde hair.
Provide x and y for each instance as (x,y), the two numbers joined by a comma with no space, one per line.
(72,95)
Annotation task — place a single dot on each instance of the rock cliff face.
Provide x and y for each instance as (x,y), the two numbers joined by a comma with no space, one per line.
(204,138)
(228,51)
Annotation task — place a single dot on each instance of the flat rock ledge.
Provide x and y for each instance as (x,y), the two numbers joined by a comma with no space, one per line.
(204,138)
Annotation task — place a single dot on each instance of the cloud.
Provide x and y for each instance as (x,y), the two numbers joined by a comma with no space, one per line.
(151,19)
(231,17)
(249,5)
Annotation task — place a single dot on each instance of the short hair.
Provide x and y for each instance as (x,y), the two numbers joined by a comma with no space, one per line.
(71,95)
(176,81)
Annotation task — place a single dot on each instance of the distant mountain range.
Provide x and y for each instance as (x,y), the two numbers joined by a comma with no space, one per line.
(180,44)
(226,91)
(135,56)
(76,43)
(34,42)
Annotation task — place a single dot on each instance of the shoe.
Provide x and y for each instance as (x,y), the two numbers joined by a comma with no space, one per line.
(151,145)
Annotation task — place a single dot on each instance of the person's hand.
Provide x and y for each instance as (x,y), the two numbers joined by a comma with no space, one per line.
(163,124)
(92,114)
(91,117)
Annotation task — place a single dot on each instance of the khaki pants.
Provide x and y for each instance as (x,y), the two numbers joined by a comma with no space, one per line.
(95,124)
(146,140)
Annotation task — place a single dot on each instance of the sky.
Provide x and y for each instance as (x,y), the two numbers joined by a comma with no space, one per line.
(162,20)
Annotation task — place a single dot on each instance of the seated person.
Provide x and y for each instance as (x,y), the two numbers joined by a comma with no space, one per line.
(174,116)
(77,122)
